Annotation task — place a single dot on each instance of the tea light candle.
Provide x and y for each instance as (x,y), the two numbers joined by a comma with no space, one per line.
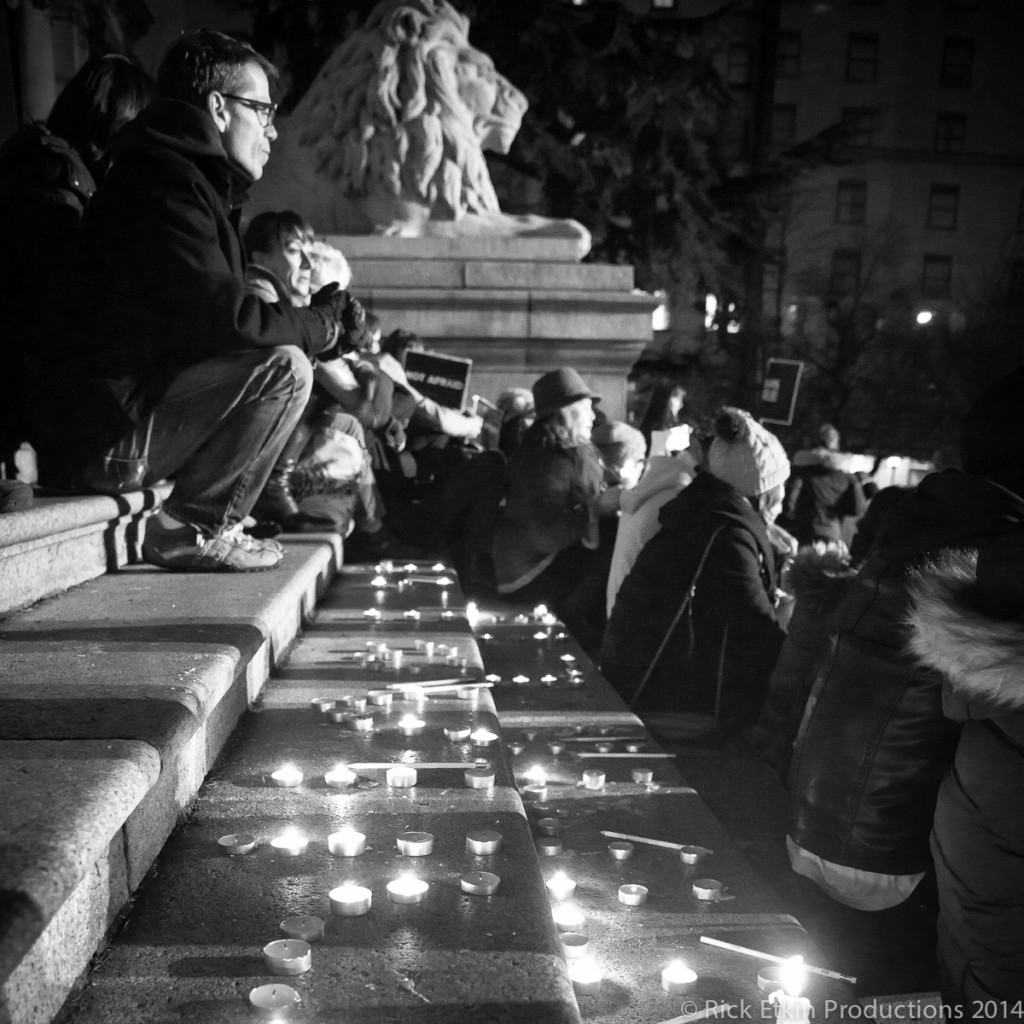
(549,619)
(411,613)
(540,611)
(321,704)
(372,613)
(574,944)
(444,598)
(410,725)
(380,698)
(291,842)
(593,778)
(306,928)
(237,844)
(483,738)
(516,747)
(635,747)
(480,883)
(520,680)
(769,978)
(567,659)
(340,776)
(274,1002)
(401,776)
(428,650)
(604,747)
(287,956)
(338,715)
(620,851)
(287,777)
(396,659)
(677,979)
(585,976)
(642,776)
(548,679)
(560,886)
(479,778)
(556,747)
(415,844)
(350,900)
(536,790)
(407,889)
(790,1006)
(492,677)
(354,703)
(568,917)
(549,846)
(457,733)
(691,854)
(468,693)
(360,723)
(633,895)
(483,842)
(707,888)
(346,842)
(549,826)
(379,581)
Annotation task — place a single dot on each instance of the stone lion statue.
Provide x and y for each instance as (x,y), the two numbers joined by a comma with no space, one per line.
(391,135)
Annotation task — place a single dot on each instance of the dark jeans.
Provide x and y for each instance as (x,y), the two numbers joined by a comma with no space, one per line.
(218,430)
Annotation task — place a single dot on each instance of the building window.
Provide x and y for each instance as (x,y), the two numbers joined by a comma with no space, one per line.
(943,206)
(851,202)
(845,278)
(862,57)
(936,277)
(787,62)
(740,67)
(950,132)
(783,125)
(957,62)
(859,124)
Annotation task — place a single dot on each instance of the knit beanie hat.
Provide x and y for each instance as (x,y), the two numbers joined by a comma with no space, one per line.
(746,455)
(992,438)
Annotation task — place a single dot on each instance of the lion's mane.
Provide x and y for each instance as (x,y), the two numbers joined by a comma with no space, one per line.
(385,117)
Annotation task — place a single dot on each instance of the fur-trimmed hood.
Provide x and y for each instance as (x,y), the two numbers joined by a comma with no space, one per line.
(981,657)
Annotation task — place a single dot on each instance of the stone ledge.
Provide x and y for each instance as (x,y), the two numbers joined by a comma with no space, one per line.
(556,250)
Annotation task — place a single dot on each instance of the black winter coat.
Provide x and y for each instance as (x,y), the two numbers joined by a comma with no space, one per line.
(978,835)
(735,636)
(874,743)
(160,279)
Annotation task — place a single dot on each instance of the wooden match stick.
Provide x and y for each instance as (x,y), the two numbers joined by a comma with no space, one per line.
(597,753)
(602,739)
(823,971)
(429,683)
(641,839)
(366,766)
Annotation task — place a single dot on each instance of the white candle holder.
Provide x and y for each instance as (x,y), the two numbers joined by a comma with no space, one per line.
(621,851)
(633,895)
(585,976)
(707,888)
(274,1002)
(483,738)
(593,778)
(479,778)
(307,928)
(556,747)
(372,613)
(560,886)
(411,726)
(407,889)
(549,846)
(401,776)
(691,854)
(237,844)
(350,900)
(536,790)
(568,917)
(468,693)
(346,842)
(635,747)
(769,978)
(287,956)
(360,723)
(520,680)
(483,842)
(677,979)
(380,698)
(548,679)
(338,715)
(457,733)
(574,944)
(321,704)
(604,747)
(415,844)
(642,776)
(480,883)
(549,826)
(286,777)
(340,777)
(411,613)
(354,703)
(492,677)
(291,843)
(516,747)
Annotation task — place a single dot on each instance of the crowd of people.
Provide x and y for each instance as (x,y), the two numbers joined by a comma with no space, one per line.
(867,645)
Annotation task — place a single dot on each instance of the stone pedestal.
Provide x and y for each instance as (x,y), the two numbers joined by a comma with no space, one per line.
(517,307)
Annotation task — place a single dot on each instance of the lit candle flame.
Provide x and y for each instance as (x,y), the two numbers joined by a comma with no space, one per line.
(793,975)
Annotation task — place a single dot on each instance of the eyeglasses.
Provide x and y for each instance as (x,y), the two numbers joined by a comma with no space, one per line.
(265,112)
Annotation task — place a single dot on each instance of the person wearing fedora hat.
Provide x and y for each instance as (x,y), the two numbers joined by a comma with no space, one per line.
(547,543)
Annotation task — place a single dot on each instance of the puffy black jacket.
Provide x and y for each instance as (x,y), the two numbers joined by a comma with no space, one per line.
(874,743)
(736,639)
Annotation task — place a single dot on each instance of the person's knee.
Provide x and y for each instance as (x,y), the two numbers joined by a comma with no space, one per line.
(290,363)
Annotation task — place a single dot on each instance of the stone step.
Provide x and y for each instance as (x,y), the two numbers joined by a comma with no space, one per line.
(60,542)
(545,250)
(115,699)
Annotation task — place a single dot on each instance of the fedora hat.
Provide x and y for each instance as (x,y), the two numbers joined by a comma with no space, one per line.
(559,388)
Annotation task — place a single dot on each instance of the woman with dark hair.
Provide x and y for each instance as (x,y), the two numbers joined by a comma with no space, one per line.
(48,174)
(547,543)
(664,410)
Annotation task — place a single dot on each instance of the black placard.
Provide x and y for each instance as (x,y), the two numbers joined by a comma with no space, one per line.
(443,378)
(778,393)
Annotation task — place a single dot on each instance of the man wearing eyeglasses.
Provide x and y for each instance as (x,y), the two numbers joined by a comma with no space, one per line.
(190,377)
